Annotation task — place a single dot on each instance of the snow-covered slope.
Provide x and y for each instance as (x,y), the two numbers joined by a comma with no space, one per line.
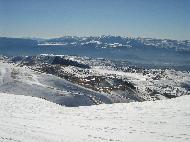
(25,118)
(23,81)
(77,81)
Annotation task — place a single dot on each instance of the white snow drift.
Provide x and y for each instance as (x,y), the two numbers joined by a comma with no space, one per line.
(25,118)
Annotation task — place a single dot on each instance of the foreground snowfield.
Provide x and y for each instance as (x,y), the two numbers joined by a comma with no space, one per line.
(25,118)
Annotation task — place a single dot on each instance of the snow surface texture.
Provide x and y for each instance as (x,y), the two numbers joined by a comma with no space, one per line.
(25,118)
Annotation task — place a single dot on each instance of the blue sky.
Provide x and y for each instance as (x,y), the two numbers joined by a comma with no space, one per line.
(54,18)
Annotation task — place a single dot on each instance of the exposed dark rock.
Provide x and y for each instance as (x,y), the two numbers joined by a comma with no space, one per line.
(186,86)
(16,59)
(168,95)
(67,62)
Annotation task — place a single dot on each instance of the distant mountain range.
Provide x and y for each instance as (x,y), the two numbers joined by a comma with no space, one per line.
(99,42)
(6,42)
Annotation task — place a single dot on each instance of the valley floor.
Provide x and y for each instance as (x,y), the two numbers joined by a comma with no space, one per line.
(29,119)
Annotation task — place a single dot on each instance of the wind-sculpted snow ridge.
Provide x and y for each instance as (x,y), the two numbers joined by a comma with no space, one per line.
(25,118)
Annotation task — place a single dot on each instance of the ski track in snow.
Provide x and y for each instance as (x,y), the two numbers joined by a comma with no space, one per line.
(30,119)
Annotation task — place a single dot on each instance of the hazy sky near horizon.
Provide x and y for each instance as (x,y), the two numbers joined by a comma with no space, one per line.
(54,18)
